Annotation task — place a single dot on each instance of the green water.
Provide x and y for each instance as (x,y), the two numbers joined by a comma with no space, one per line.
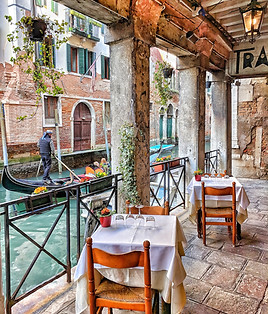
(23,251)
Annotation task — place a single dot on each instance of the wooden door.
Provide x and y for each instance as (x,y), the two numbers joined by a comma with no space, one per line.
(82,127)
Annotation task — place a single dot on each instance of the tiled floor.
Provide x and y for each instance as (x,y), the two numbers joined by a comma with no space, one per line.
(220,278)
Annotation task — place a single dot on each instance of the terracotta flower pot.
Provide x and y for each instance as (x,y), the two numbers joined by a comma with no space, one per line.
(106,221)
(198,177)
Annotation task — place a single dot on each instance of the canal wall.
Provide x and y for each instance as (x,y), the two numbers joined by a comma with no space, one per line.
(25,168)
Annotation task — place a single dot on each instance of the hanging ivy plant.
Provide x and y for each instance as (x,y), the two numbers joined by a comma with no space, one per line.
(127,163)
(39,65)
(163,91)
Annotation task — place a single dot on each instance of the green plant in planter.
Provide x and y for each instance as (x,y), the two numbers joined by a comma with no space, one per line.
(127,163)
(39,65)
(163,91)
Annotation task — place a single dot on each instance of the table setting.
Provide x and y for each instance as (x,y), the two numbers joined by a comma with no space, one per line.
(166,248)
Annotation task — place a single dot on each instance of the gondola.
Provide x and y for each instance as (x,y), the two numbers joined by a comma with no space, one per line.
(28,186)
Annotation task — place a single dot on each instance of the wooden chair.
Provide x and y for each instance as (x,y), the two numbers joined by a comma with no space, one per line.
(229,213)
(149,210)
(112,295)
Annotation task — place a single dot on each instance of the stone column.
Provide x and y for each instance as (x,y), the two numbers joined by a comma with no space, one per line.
(221,121)
(191,119)
(130,100)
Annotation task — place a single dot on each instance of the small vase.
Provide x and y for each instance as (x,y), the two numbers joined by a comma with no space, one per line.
(105,221)
(198,177)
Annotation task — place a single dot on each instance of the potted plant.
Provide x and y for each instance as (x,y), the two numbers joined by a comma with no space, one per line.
(198,173)
(163,92)
(38,64)
(129,189)
(105,216)
(167,71)
(175,162)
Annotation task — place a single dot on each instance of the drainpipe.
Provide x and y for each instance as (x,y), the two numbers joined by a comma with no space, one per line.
(3,134)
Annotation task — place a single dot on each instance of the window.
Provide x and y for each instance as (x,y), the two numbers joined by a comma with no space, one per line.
(41,3)
(105,67)
(54,7)
(50,104)
(47,52)
(73,59)
(79,60)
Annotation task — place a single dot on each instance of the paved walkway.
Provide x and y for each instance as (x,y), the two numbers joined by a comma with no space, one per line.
(220,278)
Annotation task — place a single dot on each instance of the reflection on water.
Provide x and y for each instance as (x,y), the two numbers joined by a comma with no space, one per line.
(22,251)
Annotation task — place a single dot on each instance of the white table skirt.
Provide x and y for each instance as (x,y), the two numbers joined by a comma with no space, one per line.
(167,269)
(195,191)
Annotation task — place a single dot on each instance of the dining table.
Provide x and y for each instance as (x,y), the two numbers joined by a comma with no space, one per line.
(194,189)
(166,248)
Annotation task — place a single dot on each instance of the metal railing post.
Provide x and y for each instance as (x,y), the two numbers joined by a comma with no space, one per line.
(7,259)
(68,240)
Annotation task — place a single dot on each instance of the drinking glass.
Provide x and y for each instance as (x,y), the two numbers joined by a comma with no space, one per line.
(150,222)
(119,220)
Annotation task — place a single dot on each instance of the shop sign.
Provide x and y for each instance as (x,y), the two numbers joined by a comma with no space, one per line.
(249,60)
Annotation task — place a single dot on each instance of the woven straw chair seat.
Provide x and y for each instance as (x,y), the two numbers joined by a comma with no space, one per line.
(116,292)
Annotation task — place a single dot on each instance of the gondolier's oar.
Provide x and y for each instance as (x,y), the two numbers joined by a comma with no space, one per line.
(67,168)
(37,173)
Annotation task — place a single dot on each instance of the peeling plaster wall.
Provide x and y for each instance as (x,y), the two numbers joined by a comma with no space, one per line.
(251,158)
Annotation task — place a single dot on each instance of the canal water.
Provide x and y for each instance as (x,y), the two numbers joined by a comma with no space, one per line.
(23,251)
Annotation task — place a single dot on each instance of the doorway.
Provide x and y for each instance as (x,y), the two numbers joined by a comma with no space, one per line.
(82,127)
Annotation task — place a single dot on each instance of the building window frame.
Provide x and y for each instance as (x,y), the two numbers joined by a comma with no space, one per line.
(49,110)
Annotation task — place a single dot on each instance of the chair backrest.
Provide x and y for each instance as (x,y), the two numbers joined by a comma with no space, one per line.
(126,260)
(219,192)
(149,210)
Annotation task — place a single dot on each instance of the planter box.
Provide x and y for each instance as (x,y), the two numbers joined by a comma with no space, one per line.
(35,204)
(174,163)
(100,184)
(158,168)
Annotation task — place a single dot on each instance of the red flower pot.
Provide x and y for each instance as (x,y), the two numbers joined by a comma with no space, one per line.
(105,221)
(198,177)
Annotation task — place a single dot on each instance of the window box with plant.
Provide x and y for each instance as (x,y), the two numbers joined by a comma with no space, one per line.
(38,64)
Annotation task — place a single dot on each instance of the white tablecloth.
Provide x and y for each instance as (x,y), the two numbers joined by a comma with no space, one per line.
(165,250)
(195,191)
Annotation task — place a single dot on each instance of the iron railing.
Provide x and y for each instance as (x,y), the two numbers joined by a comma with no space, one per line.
(166,184)
(211,161)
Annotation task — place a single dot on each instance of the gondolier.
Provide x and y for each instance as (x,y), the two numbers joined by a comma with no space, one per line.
(46,148)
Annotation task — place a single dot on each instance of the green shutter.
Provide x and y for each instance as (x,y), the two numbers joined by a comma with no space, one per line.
(56,7)
(68,54)
(39,2)
(52,6)
(169,127)
(161,120)
(102,67)
(81,58)
(86,52)
(102,28)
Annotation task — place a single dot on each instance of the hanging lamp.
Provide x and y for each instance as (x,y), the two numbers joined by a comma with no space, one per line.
(252,16)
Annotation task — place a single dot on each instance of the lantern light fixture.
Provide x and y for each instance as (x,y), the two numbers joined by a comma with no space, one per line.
(252,16)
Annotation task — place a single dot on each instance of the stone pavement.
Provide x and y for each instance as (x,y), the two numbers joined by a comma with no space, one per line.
(220,278)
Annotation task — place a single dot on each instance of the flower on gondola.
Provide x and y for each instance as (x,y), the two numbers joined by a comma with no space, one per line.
(101,174)
(40,189)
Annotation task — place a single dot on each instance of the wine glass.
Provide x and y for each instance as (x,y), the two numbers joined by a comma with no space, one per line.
(150,222)
(139,217)
(130,218)
(119,220)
